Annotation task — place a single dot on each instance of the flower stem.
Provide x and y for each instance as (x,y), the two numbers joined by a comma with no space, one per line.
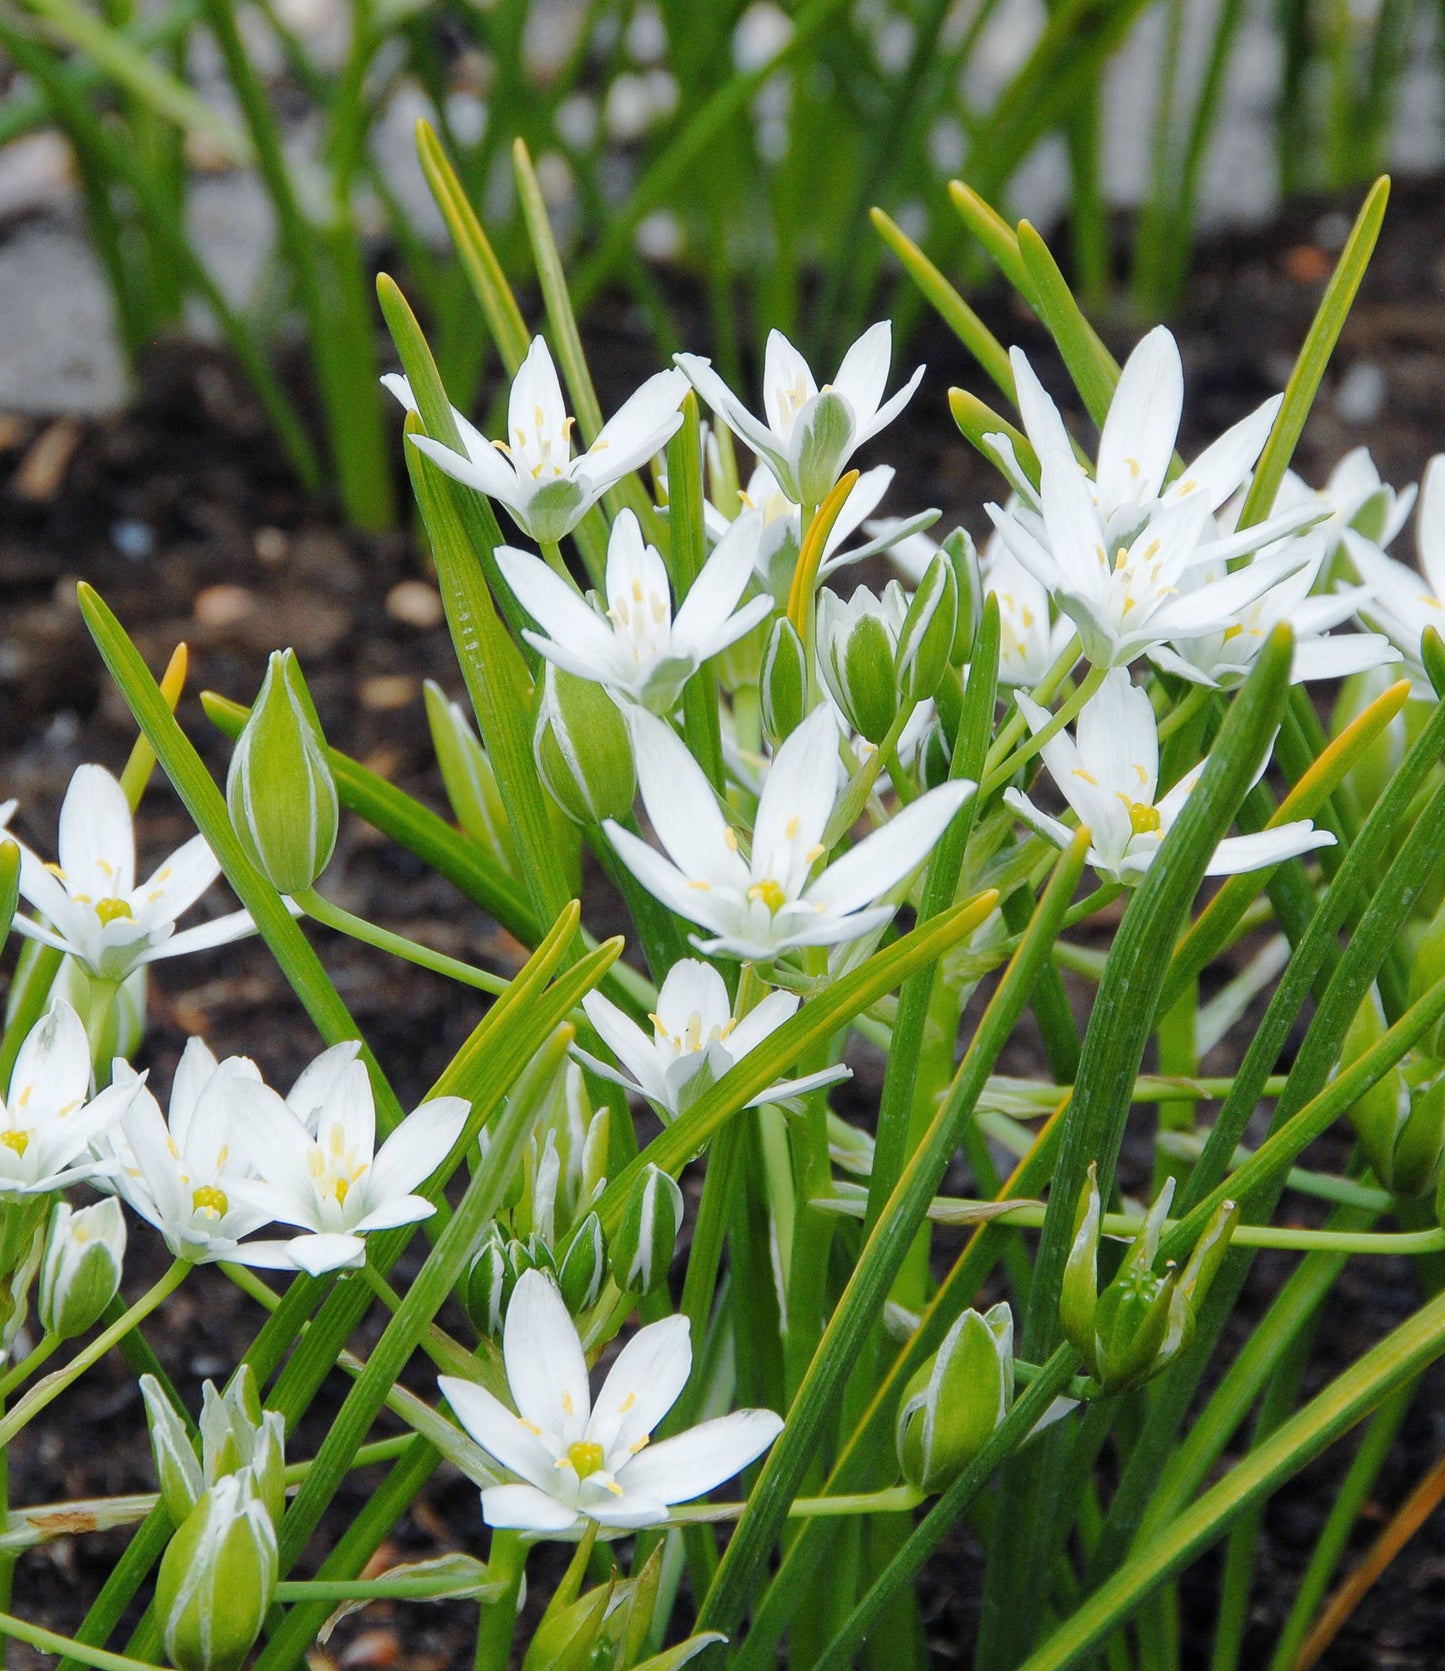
(97,1018)
(552,551)
(47,1391)
(28,1365)
(1269,1235)
(344,922)
(860,785)
(50,1642)
(506,1562)
(1030,746)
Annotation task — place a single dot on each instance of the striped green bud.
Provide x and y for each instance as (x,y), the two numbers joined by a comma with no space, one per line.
(80,1268)
(643,1247)
(956,1399)
(783,682)
(582,1264)
(486,1285)
(280,791)
(583,751)
(962,557)
(217,1578)
(178,1470)
(925,641)
(857,647)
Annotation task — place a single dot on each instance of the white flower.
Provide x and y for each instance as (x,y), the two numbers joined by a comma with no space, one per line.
(1402,601)
(639,649)
(1222,659)
(765,905)
(810,433)
(533,472)
(694,1040)
(1354,499)
(583,1461)
(183,1176)
(1136,445)
(1109,776)
(1125,598)
(49,1120)
(92,906)
(320,1168)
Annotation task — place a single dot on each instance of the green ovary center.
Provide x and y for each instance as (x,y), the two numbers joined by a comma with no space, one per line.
(113,910)
(209,1199)
(586,1457)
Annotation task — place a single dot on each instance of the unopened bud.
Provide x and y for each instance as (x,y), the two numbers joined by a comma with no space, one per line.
(583,751)
(1427,966)
(582,1265)
(956,1400)
(643,1247)
(857,644)
(783,682)
(925,641)
(217,1578)
(962,557)
(80,1268)
(280,791)
(178,1471)
(486,1285)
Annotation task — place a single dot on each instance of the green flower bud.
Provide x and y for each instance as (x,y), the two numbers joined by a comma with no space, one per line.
(22,1238)
(238,1436)
(217,1578)
(925,641)
(1144,1317)
(582,1265)
(1380,1114)
(857,644)
(1427,966)
(595,1151)
(177,1469)
(280,791)
(583,751)
(1415,1157)
(783,682)
(485,1294)
(962,557)
(643,1246)
(956,1399)
(80,1268)
(470,782)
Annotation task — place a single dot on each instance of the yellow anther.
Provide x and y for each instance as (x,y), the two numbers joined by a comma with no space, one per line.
(699,885)
(627,1404)
(586,1457)
(1088,777)
(209,1199)
(17,1141)
(1233,630)
(531,1427)
(791,829)
(567,1405)
(342,1190)
(636,591)
(730,839)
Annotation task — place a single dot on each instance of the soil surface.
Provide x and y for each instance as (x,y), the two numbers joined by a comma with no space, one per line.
(181,514)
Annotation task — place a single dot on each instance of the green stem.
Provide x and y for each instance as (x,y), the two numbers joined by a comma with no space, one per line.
(860,785)
(999,775)
(47,1391)
(51,1642)
(28,1365)
(1267,1235)
(507,1562)
(345,922)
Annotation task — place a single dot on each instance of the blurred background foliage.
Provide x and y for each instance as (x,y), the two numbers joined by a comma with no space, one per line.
(720,154)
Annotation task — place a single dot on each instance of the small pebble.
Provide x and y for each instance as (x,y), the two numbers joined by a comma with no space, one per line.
(373,1649)
(224,606)
(271,546)
(385,691)
(41,473)
(1360,397)
(1305,264)
(415,604)
(133,538)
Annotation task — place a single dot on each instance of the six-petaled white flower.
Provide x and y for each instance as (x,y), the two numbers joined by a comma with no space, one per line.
(578,1460)
(810,433)
(1109,775)
(48,1120)
(90,902)
(639,649)
(533,472)
(1403,601)
(772,901)
(319,1168)
(694,1041)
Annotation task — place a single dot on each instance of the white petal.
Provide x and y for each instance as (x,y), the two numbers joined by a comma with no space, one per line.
(220,931)
(788,384)
(545,1367)
(643,1385)
(394,1212)
(1266,847)
(555,607)
(1430,524)
(329,1252)
(798,796)
(863,375)
(417,1147)
(317,1081)
(681,805)
(524,1508)
(488,472)
(731,410)
(886,856)
(536,401)
(1223,465)
(1041,418)
(690,896)
(626,1040)
(890,408)
(97,836)
(1143,419)
(500,1433)
(678,1469)
(762,1019)
(629,1510)
(714,594)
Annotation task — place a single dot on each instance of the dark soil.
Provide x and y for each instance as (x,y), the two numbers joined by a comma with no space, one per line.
(181,514)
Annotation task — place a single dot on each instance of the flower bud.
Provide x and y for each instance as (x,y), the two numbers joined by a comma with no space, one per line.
(280,791)
(583,751)
(1427,966)
(177,1469)
(925,641)
(80,1268)
(1143,1318)
(22,1240)
(1414,1161)
(485,1293)
(956,1399)
(962,557)
(595,1150)
(582,1265)
(467,775)
(857,642)
(217,1578)
(783,682)
(643,1246)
